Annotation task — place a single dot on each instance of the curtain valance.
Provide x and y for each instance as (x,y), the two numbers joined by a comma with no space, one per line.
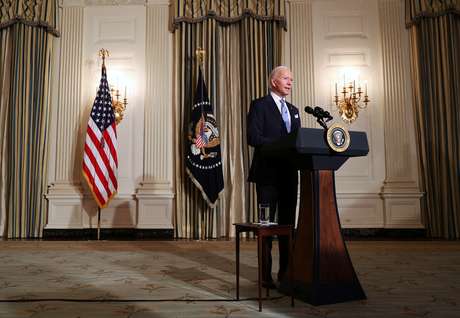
(227,11)
(41,13)
(418,9)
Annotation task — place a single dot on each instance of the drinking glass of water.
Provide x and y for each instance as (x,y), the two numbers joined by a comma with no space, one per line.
(264,213)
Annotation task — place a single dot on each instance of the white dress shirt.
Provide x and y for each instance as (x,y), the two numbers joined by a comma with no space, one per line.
(277,100)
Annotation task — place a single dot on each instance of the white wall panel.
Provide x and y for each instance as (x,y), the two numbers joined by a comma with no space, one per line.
(367,40)
(88,26)
(121,30)
(144,198)
(346,40)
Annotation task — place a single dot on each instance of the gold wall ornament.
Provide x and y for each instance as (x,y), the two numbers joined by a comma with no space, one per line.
(118,105)
(350,101)
(338,137)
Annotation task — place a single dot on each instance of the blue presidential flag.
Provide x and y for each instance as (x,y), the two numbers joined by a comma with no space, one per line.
(204,161)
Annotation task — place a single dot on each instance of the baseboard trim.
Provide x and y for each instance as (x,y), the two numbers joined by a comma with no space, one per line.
(108,234)
(379,233)
(349,234)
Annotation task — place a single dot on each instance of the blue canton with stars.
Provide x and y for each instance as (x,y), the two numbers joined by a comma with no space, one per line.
(102,111)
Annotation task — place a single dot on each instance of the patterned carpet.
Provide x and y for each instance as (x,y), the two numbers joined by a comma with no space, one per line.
(197,279)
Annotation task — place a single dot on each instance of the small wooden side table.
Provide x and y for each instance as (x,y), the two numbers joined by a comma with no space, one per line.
(261,231)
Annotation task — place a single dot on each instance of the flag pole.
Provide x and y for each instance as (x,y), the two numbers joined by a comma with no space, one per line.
(102,123)
(200,56)
(102,53)
(98,223)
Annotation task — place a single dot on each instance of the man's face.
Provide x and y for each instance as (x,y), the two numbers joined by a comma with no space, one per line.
(282,82)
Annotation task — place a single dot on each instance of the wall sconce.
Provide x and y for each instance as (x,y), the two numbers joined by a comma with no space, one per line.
(350,101)
(119,106)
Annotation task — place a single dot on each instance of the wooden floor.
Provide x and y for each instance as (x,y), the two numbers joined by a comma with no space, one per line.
(197,279)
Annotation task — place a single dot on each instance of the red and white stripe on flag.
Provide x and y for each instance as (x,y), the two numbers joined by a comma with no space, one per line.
(100,159)
(199,142)
(100,162)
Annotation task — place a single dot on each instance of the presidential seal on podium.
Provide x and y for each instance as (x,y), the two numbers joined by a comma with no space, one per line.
(338,137)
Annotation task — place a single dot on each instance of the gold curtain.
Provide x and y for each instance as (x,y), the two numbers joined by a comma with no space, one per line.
(417,10)
(226,11)
(435,53)
(35,13)
(5,75)
(239,58)
(26,33)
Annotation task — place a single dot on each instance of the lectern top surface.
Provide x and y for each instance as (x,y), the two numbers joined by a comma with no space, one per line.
(312,141)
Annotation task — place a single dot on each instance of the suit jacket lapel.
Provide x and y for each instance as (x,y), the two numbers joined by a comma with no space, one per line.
(292,113)
(275,110)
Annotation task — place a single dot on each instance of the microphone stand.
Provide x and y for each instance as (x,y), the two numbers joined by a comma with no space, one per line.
(322,116)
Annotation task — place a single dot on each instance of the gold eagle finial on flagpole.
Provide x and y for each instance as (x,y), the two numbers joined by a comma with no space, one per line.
(200,56)
(103,53)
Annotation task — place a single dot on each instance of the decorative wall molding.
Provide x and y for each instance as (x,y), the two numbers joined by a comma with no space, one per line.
(347,24)
(344,58)
(121,213)
(158,2)
(360,210)
(400,192)
(65,192)
(69,98)
(157,113)
(116,29)
(72,3)
(155,193)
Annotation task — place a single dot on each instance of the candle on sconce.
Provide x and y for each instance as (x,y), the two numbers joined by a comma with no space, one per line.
(351,99)
(125,91)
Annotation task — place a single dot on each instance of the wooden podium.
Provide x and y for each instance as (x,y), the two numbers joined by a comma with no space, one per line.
(320,267)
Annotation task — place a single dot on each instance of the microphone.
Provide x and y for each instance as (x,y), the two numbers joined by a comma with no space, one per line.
(322,116)
(327,115)
(318,112)
(308,110)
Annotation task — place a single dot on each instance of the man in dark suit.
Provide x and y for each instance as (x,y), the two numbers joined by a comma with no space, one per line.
(269,119)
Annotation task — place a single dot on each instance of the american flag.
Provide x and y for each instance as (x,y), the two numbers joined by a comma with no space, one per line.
(100,162)
(201,139)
